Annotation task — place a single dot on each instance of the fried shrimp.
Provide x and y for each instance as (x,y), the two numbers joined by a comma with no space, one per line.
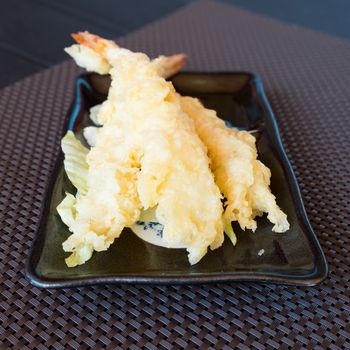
(90,53)
(157,152)
(147,155)
(243,180)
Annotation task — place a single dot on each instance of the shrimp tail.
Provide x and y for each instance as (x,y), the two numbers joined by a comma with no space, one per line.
(167,66)
(94,42)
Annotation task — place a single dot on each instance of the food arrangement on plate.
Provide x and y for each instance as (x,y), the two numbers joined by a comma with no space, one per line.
(157,158)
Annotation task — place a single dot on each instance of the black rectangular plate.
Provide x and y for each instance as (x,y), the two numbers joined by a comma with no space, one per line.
(294,257)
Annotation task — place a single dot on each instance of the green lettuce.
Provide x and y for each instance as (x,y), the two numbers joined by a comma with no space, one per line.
(231,235)
(66,209)
(75,163)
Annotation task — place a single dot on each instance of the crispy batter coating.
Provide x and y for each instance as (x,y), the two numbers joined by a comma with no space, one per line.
(147,154)
(243,180)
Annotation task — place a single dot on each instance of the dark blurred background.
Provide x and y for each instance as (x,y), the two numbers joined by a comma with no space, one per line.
(34,32)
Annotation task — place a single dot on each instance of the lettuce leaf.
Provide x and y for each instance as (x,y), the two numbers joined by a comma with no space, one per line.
(75,163)
(231,235)
(66,209)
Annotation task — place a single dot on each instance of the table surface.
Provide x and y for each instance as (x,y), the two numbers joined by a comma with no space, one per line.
(307,78)
(26,48)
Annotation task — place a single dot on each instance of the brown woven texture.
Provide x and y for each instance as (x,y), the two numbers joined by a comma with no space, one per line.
(307,79)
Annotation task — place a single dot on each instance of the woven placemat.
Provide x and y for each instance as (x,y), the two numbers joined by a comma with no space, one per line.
(307,78)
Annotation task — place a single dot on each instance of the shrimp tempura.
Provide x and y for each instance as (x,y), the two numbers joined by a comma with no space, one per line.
(243,180)
(147,154)
(90,53)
